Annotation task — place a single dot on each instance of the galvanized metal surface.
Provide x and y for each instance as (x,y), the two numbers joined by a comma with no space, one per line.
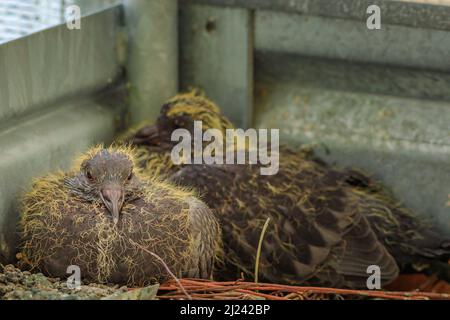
(332,74)
(352,40)
(152,66)
(217,57)
(404,142)
(55,64)
(420,15)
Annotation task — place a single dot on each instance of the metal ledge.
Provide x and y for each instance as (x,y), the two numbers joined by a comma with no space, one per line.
(339,75)
(403,13)
(351,40)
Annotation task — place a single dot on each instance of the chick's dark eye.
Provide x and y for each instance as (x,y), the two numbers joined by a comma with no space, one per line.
(130,176)
(89,176)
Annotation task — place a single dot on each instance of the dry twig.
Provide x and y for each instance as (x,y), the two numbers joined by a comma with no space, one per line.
(205,289)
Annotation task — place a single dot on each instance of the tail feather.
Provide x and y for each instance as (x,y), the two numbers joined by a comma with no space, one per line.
(431,246)
(408,237)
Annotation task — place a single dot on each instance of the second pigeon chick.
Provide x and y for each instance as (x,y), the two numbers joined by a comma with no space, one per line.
(306,200)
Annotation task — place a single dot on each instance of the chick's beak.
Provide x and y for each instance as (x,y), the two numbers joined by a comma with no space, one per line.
(113,198)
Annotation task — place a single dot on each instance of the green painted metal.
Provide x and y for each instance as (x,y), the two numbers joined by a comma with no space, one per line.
(58,63)
(351,40)
(217,57)
(418,15)
(342,75)
(403,141)
(152,66)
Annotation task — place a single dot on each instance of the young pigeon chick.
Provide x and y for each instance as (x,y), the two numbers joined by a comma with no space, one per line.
(327,225)
(105,217)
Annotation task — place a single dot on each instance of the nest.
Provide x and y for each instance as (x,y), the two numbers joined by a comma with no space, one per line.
(15,284)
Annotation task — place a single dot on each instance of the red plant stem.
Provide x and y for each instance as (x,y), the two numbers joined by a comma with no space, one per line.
(205,285)
(259,294)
